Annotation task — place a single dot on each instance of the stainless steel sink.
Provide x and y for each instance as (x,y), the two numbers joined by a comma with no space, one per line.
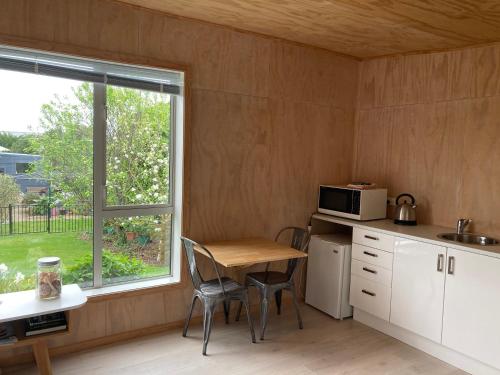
(475,239)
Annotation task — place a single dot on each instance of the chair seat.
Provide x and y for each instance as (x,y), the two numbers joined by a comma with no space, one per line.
(213,288)
(270,277)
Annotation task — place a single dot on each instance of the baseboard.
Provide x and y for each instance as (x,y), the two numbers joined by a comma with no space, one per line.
(430,347)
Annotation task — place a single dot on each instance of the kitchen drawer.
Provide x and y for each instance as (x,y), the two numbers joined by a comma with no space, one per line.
(373,239)
(372,297)
(371,272)
(372,256)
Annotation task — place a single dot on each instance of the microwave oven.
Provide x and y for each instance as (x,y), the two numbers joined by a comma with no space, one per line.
(357,204)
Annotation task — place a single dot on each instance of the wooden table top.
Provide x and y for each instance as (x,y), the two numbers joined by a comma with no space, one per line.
(245,252)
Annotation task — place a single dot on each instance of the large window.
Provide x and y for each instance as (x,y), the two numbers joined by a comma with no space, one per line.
(102,146)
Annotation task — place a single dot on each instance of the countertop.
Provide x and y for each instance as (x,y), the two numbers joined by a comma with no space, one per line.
(421,232)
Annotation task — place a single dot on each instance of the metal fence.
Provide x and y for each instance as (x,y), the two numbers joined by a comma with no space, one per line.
(44,218)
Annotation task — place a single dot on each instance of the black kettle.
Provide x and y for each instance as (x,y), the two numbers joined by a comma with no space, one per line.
(406,213)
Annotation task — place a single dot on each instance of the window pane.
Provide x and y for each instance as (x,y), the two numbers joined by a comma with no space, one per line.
(22,167)
(136,248)
(46,156)
(137,147)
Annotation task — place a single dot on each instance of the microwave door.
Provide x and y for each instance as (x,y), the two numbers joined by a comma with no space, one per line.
(338,200)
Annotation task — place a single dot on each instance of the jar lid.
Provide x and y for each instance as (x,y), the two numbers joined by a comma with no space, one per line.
(49,261)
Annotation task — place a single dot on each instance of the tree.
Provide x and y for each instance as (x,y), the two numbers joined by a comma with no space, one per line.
(20,144)
(137,146)
(65,146)
(9,194)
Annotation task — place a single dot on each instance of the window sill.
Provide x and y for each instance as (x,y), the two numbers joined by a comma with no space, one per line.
(131,287)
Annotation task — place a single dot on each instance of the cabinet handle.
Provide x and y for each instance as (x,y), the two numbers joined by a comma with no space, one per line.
(370,254)
(336,251)
(369,293)
(440,263)
(371,237)
(451,265)
(369,270)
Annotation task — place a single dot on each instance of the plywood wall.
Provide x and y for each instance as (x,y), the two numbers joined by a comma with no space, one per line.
(429,124)
(268,122)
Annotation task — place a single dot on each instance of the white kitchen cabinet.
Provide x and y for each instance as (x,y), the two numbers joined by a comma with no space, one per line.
(418,287)
(471,320)
(370,296)
(372,256)
(373,239)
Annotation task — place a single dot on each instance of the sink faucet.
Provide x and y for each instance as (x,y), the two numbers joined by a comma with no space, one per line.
(461,224)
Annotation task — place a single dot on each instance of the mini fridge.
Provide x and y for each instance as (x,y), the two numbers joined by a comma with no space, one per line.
(329,274)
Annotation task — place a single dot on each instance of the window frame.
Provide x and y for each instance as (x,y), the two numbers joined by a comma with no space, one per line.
(103,211)
(160,78)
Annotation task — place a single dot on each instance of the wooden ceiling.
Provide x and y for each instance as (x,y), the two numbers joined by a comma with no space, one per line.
(360,28)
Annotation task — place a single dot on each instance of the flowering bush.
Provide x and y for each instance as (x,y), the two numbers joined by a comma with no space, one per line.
(11,281)
(137,148)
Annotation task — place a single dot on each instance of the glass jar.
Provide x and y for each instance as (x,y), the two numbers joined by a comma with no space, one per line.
(49,280)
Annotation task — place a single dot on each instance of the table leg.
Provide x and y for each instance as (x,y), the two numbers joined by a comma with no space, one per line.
(41,352)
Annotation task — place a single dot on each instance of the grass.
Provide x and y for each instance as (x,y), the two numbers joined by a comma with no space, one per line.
(20,252)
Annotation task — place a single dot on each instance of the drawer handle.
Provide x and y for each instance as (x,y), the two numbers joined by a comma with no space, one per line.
(369,270)
(371,237)
(370,254)
(369,293)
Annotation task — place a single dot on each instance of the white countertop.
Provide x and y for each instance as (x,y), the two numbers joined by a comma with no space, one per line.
(421,232)
(20,305)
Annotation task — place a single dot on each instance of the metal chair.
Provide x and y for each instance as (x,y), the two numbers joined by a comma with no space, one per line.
(212,292)
(272,282)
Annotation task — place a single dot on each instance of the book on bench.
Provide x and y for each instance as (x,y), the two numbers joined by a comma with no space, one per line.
(38,325)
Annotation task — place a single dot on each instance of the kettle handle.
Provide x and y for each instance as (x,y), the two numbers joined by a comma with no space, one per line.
(406,195)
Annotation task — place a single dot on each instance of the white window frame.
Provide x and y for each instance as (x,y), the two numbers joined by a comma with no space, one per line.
(102,211)
(100,73)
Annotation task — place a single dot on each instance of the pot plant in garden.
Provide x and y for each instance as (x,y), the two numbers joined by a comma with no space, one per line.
(129,229)
(138,228)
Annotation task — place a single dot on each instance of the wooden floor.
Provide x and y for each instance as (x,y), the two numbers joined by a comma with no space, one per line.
(324,346)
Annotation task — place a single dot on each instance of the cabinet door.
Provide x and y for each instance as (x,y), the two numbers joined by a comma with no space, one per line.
(324,276)
(418,287)
(471,321)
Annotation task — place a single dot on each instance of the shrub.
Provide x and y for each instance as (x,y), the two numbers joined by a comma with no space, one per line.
(42,205)
(31,198)
(113,266)
(9,193)
(11,281)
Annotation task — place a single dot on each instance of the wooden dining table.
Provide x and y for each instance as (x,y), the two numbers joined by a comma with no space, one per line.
(248,251)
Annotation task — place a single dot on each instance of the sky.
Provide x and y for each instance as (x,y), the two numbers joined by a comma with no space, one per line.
(23,94)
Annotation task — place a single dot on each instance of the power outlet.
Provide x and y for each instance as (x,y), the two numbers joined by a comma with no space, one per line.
(391,201)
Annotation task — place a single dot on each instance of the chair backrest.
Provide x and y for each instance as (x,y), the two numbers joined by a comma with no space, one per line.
(192,267)
(299,241)
(195,274)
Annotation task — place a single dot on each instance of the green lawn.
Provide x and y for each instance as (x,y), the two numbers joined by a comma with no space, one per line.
(20,252)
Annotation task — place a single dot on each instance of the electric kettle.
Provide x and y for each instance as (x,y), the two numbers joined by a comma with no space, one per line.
(406,213)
